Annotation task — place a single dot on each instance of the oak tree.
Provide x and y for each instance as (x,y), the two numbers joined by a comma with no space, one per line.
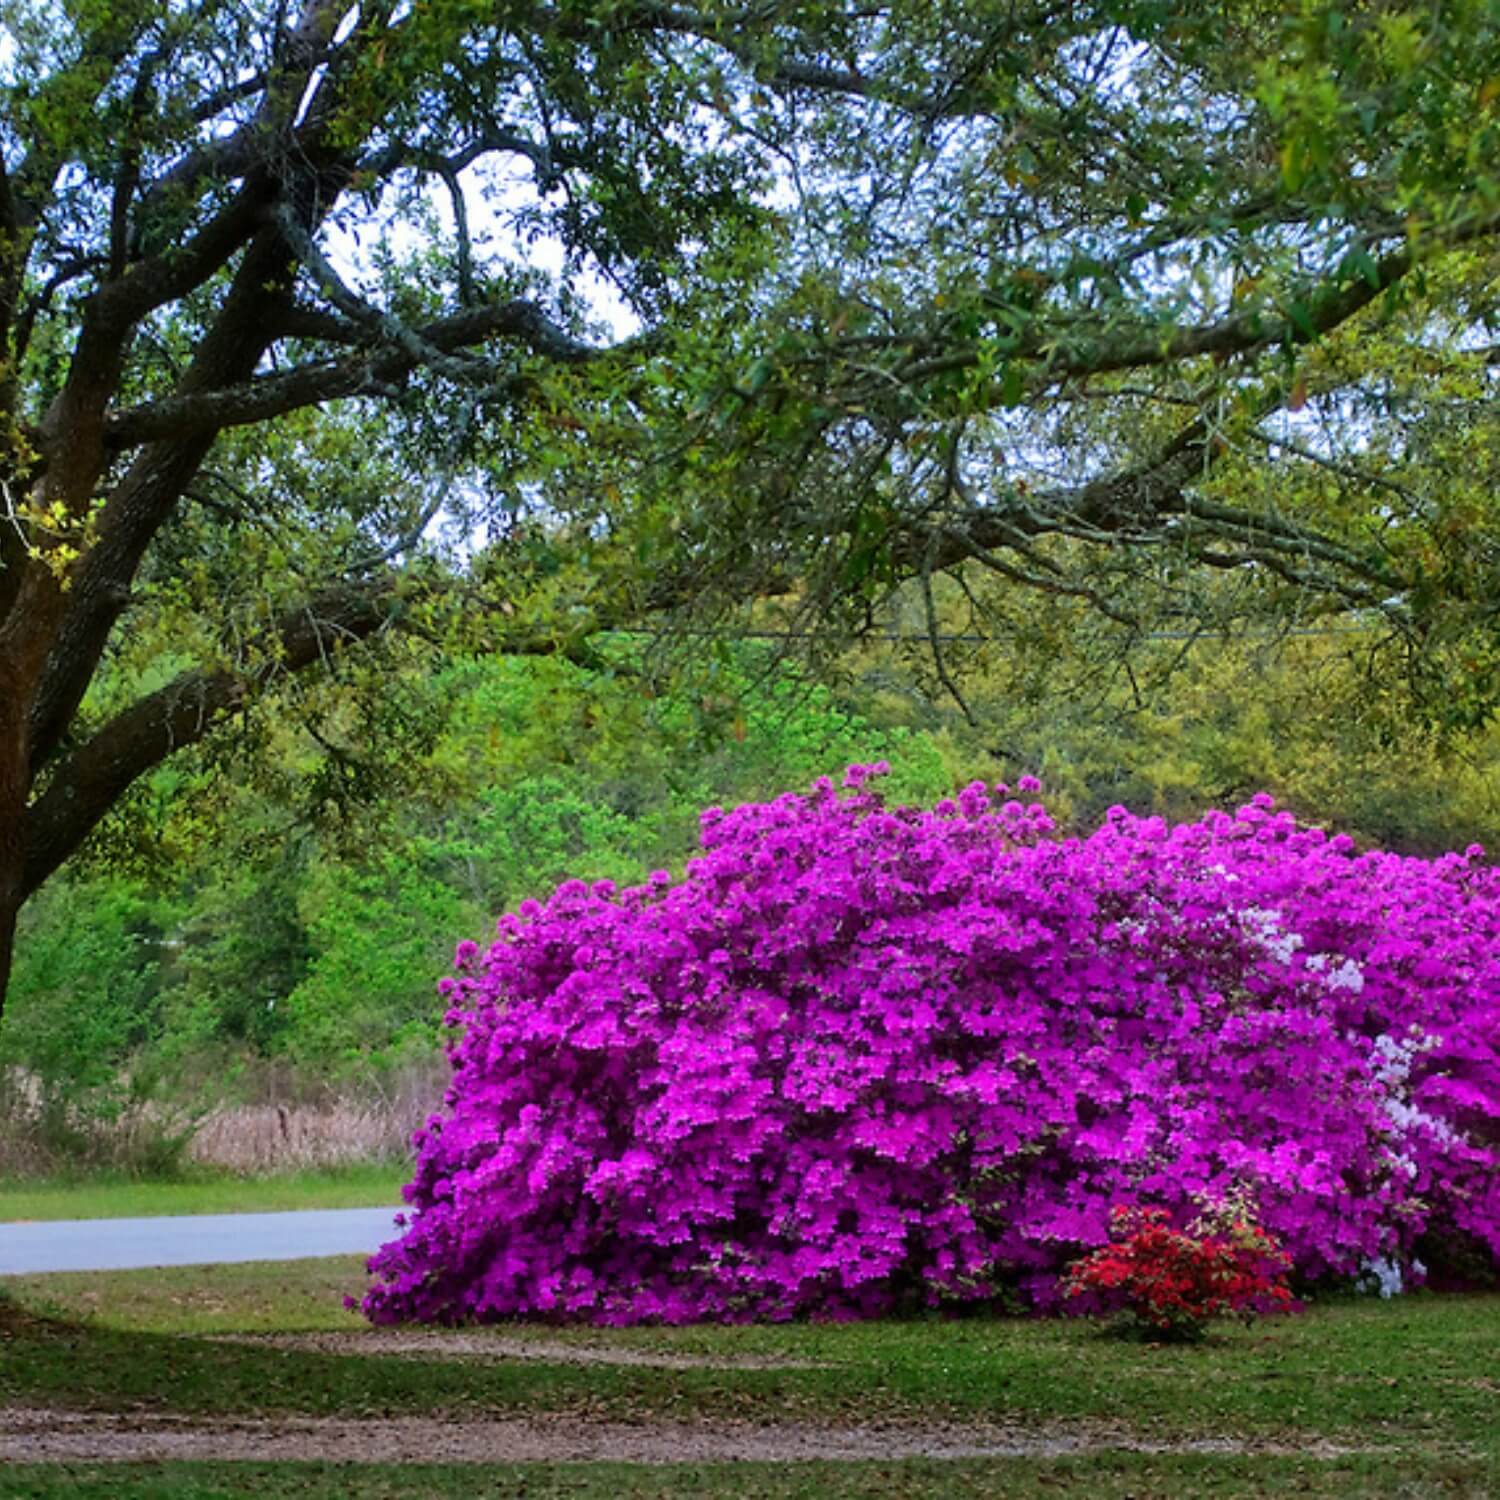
(219,218)
(1139,310)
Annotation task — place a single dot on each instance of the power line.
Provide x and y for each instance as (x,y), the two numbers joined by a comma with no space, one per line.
(893,637)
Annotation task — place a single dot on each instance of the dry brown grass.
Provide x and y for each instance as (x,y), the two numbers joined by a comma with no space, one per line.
(284,1130)
(261,1138)
(370,1122)
(44,1135)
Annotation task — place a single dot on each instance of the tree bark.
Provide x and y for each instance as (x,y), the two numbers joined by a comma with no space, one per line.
(9,910)
(15,779)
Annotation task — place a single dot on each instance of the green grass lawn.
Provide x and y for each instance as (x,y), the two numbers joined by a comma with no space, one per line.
(101,1197)
(1417,1379)
(1123,1477)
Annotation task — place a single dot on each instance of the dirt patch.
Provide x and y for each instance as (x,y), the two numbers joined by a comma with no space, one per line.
(437,1345)
(33,1435)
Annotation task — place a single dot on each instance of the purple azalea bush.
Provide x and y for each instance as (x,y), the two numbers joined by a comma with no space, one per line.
(863,1057)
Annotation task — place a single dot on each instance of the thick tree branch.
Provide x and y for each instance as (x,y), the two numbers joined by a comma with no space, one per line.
(460,206)
(431,346)
(86,783)
(735,31)
(128,176)
(151,486)
(9,220)
(1318,311)
(1153,504)
(315,325)
(257,148)
(384,326)
(550,159)
(72,628)
(1053,352)
(89,780)
(181,269)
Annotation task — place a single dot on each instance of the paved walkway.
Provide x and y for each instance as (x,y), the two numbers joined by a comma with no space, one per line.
(191,1239)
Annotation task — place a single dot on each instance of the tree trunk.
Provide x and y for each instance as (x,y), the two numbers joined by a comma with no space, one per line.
(9,910)
(20,659)
(13,786)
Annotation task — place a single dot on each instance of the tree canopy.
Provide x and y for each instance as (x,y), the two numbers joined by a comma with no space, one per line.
(215,219)
(1142,312)
(1171,320)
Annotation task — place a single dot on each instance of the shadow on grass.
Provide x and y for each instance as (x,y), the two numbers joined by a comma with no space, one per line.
(1417,1374)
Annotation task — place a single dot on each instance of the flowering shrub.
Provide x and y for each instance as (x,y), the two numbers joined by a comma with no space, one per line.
(862,1056)
(1174,1282)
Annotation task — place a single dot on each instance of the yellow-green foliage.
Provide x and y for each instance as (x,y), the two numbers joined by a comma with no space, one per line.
(1299,719)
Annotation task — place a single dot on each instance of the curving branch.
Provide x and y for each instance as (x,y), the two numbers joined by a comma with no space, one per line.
(1151,505)
(367,373)
(87,782)
(460,206)
(83,785)
(892,371)
(550,159)
(733,32)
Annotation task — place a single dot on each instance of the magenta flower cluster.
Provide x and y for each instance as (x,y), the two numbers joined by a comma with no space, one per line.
(863,1057)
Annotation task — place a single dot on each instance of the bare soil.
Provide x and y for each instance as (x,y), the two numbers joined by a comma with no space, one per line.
(442,1345)
(30,1435)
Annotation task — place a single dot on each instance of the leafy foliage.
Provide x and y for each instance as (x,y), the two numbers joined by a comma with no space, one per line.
(1167,320)
(94,1011)
(306,314)
(310,938)
(117,948)
(282,291)
(1194,720)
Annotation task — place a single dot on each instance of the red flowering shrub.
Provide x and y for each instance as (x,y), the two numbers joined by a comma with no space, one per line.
(1173,1281)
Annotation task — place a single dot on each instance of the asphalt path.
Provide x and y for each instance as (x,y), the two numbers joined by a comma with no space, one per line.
(191,1239)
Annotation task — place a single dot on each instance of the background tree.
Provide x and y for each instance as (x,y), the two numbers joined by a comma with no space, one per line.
(247,924)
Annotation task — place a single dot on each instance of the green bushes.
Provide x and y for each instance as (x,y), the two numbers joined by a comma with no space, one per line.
(78,1075)
(299,960)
